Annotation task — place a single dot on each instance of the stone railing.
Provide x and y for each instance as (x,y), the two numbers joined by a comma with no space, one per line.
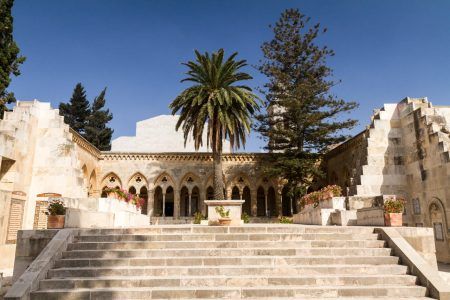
(427,274)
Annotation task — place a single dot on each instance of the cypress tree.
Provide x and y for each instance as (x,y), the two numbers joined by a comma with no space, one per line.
(303,119)
(97,131)
(9,55)
(77,110)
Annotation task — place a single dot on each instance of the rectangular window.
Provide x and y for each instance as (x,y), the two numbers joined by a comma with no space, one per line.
(416,206)
(438,232)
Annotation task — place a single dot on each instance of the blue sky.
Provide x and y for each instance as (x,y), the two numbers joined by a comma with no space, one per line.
(385,50)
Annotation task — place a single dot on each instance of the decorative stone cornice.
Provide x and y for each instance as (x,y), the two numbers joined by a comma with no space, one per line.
(84,144)
(182,156)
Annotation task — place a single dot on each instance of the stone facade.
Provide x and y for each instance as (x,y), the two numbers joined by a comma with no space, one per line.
(405,152)
(41,157)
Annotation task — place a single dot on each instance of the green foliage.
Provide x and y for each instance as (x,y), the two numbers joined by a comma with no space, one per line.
(198,217)
(96,130)
(285,220)
(245,217)
(90,122)
(303,118)
(55,208)
(394,205)
(77,110)
(218,101)
(9,55)
(222,212)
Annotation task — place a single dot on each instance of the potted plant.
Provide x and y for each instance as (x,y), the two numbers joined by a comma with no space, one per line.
(224,219)
(393,211)
(55,214)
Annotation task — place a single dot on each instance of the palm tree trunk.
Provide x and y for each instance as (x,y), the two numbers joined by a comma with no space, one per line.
(218,176)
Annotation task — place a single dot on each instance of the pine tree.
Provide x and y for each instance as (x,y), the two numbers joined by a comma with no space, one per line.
(303,119)
(9,55)
(77,110)
(96,130)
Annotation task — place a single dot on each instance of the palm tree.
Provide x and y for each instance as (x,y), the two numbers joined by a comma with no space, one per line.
(217,102)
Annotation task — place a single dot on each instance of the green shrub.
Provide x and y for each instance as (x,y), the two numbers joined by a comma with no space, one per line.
(286,220)
(198,217)
(55,208)
(222,212)
(245,217)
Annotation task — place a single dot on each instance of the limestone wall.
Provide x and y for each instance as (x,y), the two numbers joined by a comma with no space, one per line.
(407,154)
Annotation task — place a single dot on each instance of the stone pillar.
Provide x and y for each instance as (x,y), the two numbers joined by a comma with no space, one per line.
(190,204)
(228,193)
(266,211)
(164,204)
(254,202)
(279,199)
(202,195)
(176,203)
(150,202)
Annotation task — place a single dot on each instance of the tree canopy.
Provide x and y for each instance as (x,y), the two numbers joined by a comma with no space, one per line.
(303,118)
(10,60)
(77,110)
(97,132)
(218,102)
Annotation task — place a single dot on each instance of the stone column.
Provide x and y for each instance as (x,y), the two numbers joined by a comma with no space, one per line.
(228,193)
(150,202)
(176,203)
(278,200)
(202,195)
(190,204)
(254,202)
(266,211)
(164,204)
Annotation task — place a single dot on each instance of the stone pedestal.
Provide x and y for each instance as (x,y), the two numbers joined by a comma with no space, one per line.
(235,207)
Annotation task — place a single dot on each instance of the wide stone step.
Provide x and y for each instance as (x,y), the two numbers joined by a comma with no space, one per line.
(227,252)
(226,237)
(199,229)
(228,270)
(228,281)
(233,261)
(227,244)
(232,292)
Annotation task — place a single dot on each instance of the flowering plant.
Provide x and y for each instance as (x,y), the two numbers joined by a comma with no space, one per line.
(127,197)
(394,205)
(323,194)
(55,208)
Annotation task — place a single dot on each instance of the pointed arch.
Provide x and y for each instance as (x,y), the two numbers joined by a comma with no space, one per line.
(137,180)
(92,184)
(190,177)
(164,179)
(111,180)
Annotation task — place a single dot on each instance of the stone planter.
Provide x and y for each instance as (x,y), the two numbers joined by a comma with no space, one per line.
(55,222)
(224,221)
(393,219)
(234,206)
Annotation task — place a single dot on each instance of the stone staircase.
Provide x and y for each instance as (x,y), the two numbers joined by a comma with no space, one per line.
(253,262)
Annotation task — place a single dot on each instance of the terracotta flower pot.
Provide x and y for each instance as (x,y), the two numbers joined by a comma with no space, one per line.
(393,219)
(224,221)
(55,222)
